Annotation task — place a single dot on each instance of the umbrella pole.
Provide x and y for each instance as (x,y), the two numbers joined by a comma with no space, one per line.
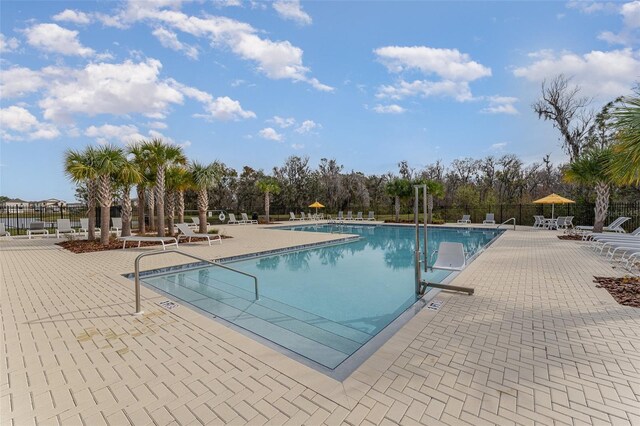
(552,210)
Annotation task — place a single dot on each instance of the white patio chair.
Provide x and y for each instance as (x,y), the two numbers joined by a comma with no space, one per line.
(489,219)
(84,226)
(186,232)
(3,231)
(359,216)
(340,215)
(349,215)
(64,227)
(539,221)
(614,226)
(246,220)
(196,222)
(37,228)
(116,225)
(232,219)
(371,216)
(465,219)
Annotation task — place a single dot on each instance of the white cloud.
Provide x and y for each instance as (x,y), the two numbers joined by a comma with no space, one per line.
(449,64)
(282,122)
(125,134)
(117,89)
(600,74)
(271,134)
(224,108)
(169,39)
(53,38)
(8,44)
(74,16)
(291,10)
(460,91)
(307,126)
(18,81)
(631,14)
(389,109)
(631,23)
(498,147)
(501,105)
(228,3)
(297,146)
(17,122)
(275,59)
(157,125)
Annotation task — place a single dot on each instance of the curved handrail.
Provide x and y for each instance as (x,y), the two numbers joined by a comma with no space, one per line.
(508,220)
(153,253)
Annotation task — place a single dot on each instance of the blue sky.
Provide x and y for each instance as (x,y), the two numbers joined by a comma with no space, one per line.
(369,83)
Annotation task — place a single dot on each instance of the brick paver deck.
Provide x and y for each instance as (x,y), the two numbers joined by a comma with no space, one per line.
(537,343)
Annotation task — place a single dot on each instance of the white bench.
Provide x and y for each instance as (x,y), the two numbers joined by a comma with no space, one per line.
(165,241)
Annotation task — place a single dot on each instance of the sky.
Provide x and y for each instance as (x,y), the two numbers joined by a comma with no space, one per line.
(369,83)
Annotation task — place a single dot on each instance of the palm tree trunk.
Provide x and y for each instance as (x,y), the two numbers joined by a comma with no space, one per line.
(171,210)
(91,208)
(180,204)
(151,205)
(141,201)
(203,205)
(397,208)
(159,189)
(602,205)
(126,211)
(267,205)
(430,208)
(104,199)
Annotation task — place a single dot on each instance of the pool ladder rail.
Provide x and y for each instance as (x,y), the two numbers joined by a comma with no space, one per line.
(508,220)
(157,252)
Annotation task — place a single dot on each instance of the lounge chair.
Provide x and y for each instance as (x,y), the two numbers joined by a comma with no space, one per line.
(359,216)
(246,220)
(372,216)
(196,222)
(116,225)
(349,215)
(186,232)
(465,219)
(232,219)
(64,227)
(614,226)
(292,216)
(165,241)
(3,231)
(489,219)
(303,216)
(36,228)
(340,215)
(84,226)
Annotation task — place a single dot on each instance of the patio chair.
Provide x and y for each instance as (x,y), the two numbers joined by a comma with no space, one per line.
(116,225)
(539,221)
(359,216)
(340,215)
(489,219)
(349,215)
(196,222)
(614,226)
(371,216)
(36,228)
(246,220)
(186,232)
(465,219)
(303,216)
(64,227)
(84,226)
(3,231)
(232,219)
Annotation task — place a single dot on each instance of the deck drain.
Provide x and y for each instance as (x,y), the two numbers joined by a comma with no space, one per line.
(168,304)
(434,305)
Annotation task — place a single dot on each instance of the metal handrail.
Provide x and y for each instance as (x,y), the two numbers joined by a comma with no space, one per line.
(153,253)
(508,220)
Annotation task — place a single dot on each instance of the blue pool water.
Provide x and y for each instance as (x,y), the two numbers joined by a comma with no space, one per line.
(323,303)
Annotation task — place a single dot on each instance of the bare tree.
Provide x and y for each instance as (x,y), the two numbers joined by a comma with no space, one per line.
(562,105)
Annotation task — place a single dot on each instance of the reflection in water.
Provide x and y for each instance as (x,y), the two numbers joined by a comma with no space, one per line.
(268,263)
(298,260)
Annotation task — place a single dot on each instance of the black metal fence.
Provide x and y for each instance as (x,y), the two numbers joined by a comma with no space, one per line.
(16,219)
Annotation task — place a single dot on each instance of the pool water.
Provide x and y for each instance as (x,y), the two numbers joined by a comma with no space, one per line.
(323,303)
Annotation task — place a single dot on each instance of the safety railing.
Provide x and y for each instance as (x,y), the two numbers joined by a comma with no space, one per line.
(153,253)
(509,220)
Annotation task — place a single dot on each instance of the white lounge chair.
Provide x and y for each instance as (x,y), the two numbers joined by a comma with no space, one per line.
(165,241)
(465,219)
(186,232)
(116,225)
(232,219)
(489,219)
(246,220)
(359,216)
(37,228)
(196,222)
(302,216)
(372,216)
(84,226)
(64,227)
(340,215)
(614,226)
(349,215)
(3,231)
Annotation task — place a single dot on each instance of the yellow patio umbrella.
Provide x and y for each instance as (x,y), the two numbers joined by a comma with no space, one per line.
(553,199)
(317,206)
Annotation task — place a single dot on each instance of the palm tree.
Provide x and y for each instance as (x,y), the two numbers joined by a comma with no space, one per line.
(434,189)
(109,160)
(80,166)
(177,180)
(160,156)
(625,164)
(140,159)
(398,188)
(202,177)
(269,186)
(590,169)
(127,176)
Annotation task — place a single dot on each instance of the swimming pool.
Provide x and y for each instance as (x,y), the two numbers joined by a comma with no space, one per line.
(323,303)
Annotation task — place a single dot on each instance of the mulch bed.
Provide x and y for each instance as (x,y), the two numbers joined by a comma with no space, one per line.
(86,246)
(570,237)
(626,290)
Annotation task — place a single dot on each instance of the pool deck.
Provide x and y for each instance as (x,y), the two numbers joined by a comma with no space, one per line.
(537,343)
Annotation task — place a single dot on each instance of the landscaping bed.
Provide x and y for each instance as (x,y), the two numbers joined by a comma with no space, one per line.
(86,246)
(625,290)
(570,237)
